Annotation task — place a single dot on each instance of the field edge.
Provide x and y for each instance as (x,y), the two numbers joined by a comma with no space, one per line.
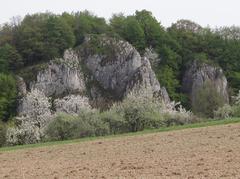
(147,131)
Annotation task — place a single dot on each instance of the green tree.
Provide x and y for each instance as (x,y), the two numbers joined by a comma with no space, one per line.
(129,29)
(6,34)
(58,36)
(43,37)
(117,24)
(69,19)
(87,23)
(153,31)
(8,94)
(187,25)
(134,33)
(30,42)
(169,80)
(10,59)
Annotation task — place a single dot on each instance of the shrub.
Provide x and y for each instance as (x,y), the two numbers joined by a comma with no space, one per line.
(236,99)
(134,116)
(88,123)
(26,134)
(136,110)
(229,111)
(134,113)
(68,127)
(170,120)
(2,134)
(153,119)
(116,121)
(224,112)
(179,119)
(236,110)
(207,100)
(92,117)
(141,111)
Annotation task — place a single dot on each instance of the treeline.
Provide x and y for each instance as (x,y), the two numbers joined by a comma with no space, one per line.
(40,37)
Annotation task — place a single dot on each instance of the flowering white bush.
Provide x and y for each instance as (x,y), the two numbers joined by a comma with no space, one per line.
(228,111)
(237,98)
(139,110)
(23,134)
(34,114)
(72,104)
(152,110)
(224,112)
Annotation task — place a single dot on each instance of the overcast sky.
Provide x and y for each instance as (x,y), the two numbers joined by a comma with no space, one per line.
(204,12)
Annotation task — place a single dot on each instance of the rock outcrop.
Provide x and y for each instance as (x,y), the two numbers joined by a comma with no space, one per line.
(21,86)
(62,76)
(100,72)
(198,73)
(116,67)
(153,57)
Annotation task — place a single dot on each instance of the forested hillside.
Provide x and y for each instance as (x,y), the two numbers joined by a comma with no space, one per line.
(28,43)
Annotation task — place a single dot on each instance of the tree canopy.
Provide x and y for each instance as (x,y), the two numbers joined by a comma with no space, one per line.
(40,37)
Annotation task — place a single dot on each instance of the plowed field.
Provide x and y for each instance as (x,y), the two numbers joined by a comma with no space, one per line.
(209,152)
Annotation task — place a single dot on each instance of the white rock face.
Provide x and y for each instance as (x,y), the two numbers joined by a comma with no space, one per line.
(61,76)
(21,86)
(152,56)
(120,69)
(114,73)
(144,78)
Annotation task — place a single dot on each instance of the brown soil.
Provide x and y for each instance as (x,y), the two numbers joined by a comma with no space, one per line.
(211,152)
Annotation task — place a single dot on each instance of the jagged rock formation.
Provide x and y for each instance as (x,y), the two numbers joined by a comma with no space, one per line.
(115,68)
(100,72)
(198,73)
(62,76)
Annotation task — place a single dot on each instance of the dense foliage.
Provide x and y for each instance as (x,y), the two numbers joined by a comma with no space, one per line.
(2,134)
(8,93)
(135,113)
(40,37)
(228,111)
(207,100)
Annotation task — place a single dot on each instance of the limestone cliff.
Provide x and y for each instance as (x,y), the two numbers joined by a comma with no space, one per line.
(198,73)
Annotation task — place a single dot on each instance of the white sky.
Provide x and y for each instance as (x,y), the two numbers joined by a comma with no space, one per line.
(204,12)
